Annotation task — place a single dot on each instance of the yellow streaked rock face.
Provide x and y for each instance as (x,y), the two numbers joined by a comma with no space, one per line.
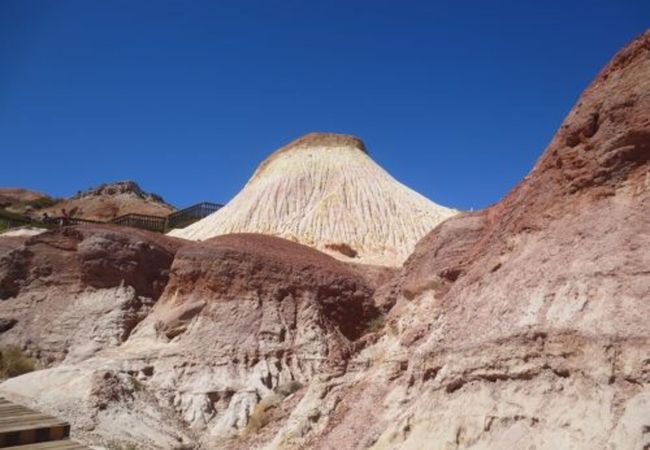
(325,191)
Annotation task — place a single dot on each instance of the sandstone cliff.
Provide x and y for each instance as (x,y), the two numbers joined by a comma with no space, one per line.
(72,291)
(525,325)
(242,318)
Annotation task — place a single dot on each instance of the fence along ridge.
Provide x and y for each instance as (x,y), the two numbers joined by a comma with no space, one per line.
(194,207)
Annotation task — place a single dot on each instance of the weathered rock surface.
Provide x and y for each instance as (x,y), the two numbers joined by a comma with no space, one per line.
(524,325)
(110,200)
(101,203)
(521,326)
(242,317)
(8,243)
(323,190)
(75,290)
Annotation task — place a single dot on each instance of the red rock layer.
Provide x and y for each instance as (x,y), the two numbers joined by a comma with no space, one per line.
(44,281)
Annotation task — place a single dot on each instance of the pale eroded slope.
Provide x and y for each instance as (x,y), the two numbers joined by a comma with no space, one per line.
(324,190)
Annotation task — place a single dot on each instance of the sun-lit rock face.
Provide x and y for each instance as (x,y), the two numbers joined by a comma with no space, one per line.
(524,325)
(324,190)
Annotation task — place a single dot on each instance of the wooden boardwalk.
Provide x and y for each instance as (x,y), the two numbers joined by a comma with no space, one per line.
(25,429)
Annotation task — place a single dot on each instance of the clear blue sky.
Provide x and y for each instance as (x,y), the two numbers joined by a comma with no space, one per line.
(456,99)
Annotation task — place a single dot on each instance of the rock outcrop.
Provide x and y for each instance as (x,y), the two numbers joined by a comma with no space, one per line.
(111,200)
(101,203)
(75,290)
(524,325)
(243,317)
(323,190)
(520,326)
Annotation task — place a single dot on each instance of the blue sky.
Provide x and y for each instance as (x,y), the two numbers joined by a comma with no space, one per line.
(455,99)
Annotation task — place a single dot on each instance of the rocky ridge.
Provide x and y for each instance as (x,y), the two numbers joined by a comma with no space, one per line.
(242,317)
(111,200)
(73,291)
(100,203)
(524,325)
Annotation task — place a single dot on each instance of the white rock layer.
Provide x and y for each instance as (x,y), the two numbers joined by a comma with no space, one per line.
(324,190)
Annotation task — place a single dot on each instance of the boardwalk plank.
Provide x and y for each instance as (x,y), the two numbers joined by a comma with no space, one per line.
(53,445)
(20,426)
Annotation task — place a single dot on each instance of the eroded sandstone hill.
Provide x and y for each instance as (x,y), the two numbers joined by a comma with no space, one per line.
(521,326)
(111,200)
(325,191)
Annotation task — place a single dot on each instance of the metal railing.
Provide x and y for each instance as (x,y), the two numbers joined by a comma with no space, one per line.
(151,223)
(72,220)
(187,216)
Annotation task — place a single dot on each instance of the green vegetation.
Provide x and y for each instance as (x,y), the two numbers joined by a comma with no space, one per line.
(14,362)
(4,214)
(33,205)
(9,219)
(43,202)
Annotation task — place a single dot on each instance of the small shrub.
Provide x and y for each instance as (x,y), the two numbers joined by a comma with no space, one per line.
(289,388)
(343,248)
(120,446)
(137,384)
(261,415)
(377,324)
(14,362)
(42,202)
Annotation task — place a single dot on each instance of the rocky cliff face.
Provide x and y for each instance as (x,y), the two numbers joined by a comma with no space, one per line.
(242,318)
(323,190)
(73,291)
(521,326)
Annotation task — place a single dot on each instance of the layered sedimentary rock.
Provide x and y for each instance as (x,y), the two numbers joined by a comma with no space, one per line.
(325,191)
(243,317)
(521,326)
(73,291)
(524,325)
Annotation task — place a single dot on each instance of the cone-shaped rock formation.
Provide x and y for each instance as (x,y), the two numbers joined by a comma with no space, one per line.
(521,326)
(323,190)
